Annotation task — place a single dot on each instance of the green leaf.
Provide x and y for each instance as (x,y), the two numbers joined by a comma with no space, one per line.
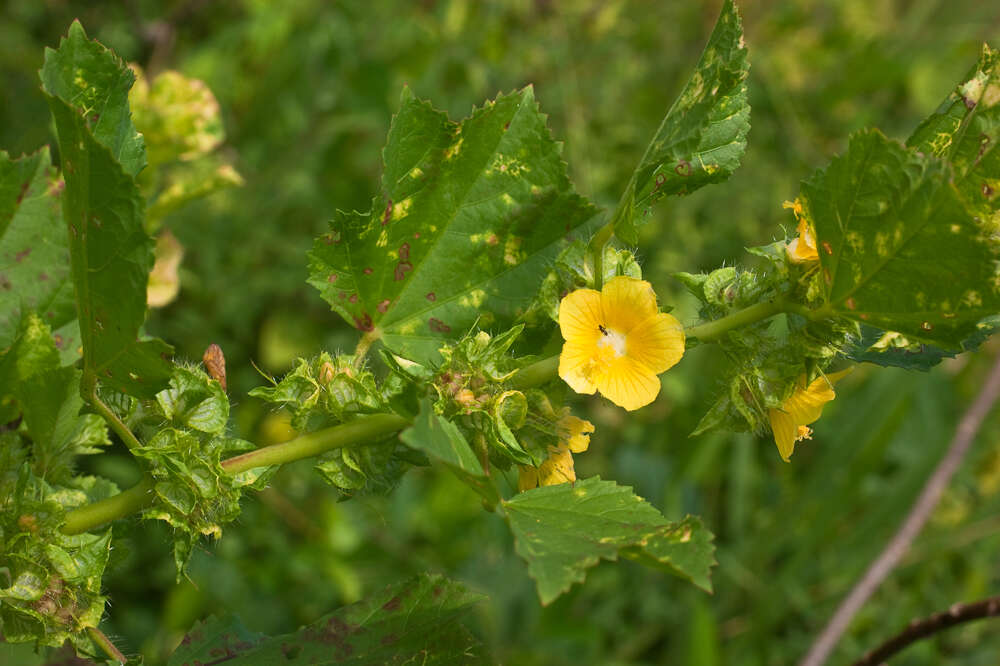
(965,130)
(565,529)
(415,622)
(34,259)
(894,350)
(94,83)
(213,639)
(898,248)
(111,255)
(703,135)
(469,220)
(443,442)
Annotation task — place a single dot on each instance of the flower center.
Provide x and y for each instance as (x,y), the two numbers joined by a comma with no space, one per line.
(613,340)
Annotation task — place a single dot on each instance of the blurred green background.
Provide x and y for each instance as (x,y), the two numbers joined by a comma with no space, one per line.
(307,90)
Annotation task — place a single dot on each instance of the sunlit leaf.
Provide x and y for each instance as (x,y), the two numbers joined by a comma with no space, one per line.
(898,248)
(565,529)
(86,87)
(469,220)
(702,138)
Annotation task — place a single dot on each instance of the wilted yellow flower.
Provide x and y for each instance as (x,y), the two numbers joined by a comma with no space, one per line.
(574,437)
(617,342)
(790,422)
(164,280)
(803,248)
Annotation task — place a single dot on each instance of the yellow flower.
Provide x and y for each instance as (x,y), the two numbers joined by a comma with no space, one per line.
(803,248)
(790,422)
(574,437)
(617,342)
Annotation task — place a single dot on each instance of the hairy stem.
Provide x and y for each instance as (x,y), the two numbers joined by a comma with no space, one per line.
(929,626)
(106,645)
(362,430)
(921,510)
(88,385)
(713,330)
(537,373)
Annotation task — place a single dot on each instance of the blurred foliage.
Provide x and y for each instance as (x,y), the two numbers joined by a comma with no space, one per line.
(307,90)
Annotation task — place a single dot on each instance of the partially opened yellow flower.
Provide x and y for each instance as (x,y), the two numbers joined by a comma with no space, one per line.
(574,437)
(617,342)
(790,422)
(803,248)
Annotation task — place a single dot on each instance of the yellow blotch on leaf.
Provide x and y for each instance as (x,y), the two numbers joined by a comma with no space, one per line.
(790,422)
(574,437)
(617,342)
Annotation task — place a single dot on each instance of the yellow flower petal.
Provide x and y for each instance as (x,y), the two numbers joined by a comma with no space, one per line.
(580,315)
(626,302)
(628,383)
(657,342)
(785,431)
(803,407)
(577,366)
(575,433)
(803,248)
(527,478)
(558,468)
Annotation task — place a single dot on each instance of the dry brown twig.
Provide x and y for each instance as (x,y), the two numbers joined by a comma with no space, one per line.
(922,508)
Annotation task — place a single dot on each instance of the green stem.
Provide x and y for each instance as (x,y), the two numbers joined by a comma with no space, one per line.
(713,330)
(359,431)
(362,430)
(597,245)
(88,385)
(537,373)
(106,645)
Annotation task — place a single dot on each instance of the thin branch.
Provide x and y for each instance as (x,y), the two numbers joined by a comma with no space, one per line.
(362,430)
(106,645)
(929,497)
(928,626)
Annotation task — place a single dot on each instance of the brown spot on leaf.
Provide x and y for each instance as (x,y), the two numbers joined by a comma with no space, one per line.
(58,340)
(342,295)
(851,304)
(4,283)
(827,248)
(332,277)
(438,326)
(662,178)
(401,269)
(404,252)
(393,604)
(387,215)
(353,298)
(683,169)
(987,190)
(24,190)
(43,277)
(416,234)
(364,322)
(431,296)
(368,270)
(22,255)
(383,306)
(492,239)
